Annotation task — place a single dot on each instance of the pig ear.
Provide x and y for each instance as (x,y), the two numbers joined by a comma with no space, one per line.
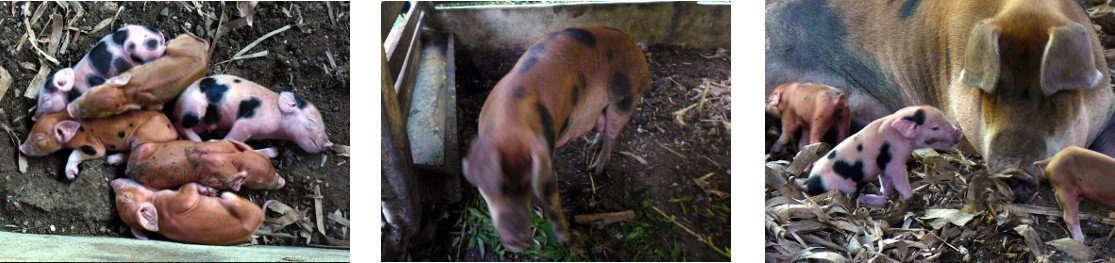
(237,181)
(287,103)
(981,58)
(905,127)
(148,217)
(541,171)
(64,79)
(65,130)
(118,81)
(127,107)
(1067,62)
(775,96)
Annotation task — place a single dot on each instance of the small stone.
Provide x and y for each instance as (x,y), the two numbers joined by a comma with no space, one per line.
(165,11)
(51,228)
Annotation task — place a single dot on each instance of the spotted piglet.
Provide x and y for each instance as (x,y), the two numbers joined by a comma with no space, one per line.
(882,147)
(90,138)
(815,108)
(1077,172)
(249,111)
(127,47)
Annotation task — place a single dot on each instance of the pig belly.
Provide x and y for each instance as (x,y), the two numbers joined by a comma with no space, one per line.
(581,125)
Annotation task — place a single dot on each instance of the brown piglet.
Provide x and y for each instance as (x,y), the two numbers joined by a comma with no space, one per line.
(193,214)
(90,138)
(219,164)
(147,86)
(816,108)
(1077,172)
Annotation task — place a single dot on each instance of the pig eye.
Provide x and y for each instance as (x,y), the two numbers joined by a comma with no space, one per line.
(936,128)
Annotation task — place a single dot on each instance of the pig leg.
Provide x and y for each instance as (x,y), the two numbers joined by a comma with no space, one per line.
(1069,201)
(241,210)
(545,189)
(269,152)
(843,124)
(240,131)
(885,183)
(76,157)
(789,128)
(615,117)
(896,171)
(117,158)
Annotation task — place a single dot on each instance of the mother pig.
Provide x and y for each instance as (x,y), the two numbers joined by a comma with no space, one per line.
(1023,78)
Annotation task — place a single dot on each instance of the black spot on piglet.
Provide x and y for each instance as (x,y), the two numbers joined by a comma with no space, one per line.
(248,108)
(120,36)
(918,117)
(190,119)
(214,92)
(72,95)
(853,172)
(87,150)
(121,64)
(212,114)
(832,155)
(94,80)
(100,58)
(815,186)
(299,102)
(884,156)
(151,43)
(581,35)
(48,85)
(120,134)
(527,64)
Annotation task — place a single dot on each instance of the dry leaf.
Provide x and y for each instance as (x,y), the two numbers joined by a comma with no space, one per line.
(1072,248)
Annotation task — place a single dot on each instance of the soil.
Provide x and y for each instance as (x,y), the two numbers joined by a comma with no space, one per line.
(675,156)
(41,200)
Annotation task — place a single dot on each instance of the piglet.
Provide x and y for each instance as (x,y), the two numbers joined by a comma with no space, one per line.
(218,164)
(147,86)
(249,111)
(1077,172)
(127,47)
(881,147)
(192,214)
(90,138)
(817,108)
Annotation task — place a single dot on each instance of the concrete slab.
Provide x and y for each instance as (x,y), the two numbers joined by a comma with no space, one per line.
(33,247)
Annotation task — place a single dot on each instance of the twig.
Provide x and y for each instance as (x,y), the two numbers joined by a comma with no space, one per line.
(327,246)
(254,43)
(330,8)
(278,235)
(670,150)
(706,241)
(31,38)
(704,96)
(637,158)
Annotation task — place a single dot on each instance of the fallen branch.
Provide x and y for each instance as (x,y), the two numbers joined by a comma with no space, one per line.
(256,42)
(603,219)
(1037,210)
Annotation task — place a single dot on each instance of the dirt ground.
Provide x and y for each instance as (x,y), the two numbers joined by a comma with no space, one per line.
(983,219)
(656,159)
(41,200)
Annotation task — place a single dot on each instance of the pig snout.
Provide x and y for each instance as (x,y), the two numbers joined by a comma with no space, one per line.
(514,230)
(279,183)
(1012,154)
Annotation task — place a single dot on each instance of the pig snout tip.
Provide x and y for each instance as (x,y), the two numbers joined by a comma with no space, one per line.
(280,183)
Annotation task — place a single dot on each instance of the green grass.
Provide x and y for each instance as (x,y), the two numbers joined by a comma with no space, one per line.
(477,233)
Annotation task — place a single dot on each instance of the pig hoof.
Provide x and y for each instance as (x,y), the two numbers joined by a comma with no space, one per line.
(114,159)
(269,152)
(71,173)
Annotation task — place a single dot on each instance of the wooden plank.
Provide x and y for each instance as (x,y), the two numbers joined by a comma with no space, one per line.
(387,15)
(398,51)
(404,87)
(399,189)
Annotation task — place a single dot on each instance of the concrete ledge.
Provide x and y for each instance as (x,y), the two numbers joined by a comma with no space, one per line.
(33,247)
